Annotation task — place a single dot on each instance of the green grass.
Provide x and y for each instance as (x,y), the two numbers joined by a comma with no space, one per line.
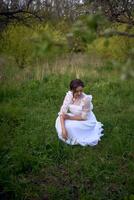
(35,164)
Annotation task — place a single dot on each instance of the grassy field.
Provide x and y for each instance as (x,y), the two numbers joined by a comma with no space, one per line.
(36,165)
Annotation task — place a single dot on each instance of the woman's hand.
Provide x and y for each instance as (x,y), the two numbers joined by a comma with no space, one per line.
(64,134)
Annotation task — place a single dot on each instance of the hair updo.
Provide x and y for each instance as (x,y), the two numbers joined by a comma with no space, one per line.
(76,83)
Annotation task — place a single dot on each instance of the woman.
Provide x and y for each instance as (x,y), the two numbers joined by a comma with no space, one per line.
(79,125)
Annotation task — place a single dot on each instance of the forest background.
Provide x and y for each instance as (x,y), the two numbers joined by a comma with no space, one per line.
(44,44)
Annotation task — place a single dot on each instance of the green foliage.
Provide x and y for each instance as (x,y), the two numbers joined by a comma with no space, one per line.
(84,31)
(116,47)
(26,45)
(16,43)
(48,42)
(81,34)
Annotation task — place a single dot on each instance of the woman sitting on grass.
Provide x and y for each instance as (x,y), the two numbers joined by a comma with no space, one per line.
(79,125)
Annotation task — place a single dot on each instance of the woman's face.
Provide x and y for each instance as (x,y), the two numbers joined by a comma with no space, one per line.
(78,91)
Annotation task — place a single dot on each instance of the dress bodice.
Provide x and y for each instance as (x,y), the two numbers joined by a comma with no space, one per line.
(75,109)
(82,105)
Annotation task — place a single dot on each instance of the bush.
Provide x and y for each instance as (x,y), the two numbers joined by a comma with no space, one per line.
(115,47)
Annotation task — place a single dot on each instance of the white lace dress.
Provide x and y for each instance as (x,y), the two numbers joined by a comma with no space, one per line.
(84,132)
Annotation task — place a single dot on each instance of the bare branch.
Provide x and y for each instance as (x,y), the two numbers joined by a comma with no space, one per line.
(115,33)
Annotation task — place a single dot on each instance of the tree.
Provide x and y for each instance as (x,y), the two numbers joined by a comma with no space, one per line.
(121,11)
(20,11)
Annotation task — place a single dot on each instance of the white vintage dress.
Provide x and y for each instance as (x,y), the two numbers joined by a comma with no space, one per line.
(87,131)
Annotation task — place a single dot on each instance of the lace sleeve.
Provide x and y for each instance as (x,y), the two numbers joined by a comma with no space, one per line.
(67,100)
(87,106)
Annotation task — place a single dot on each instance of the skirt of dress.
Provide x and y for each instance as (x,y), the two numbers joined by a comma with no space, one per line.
(85,132)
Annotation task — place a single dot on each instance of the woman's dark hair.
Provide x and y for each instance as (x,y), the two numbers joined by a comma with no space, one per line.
(76,83)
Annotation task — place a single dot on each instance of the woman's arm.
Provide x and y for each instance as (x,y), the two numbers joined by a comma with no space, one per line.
(63,110)
(64,132)
(67,100)
(76,117)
